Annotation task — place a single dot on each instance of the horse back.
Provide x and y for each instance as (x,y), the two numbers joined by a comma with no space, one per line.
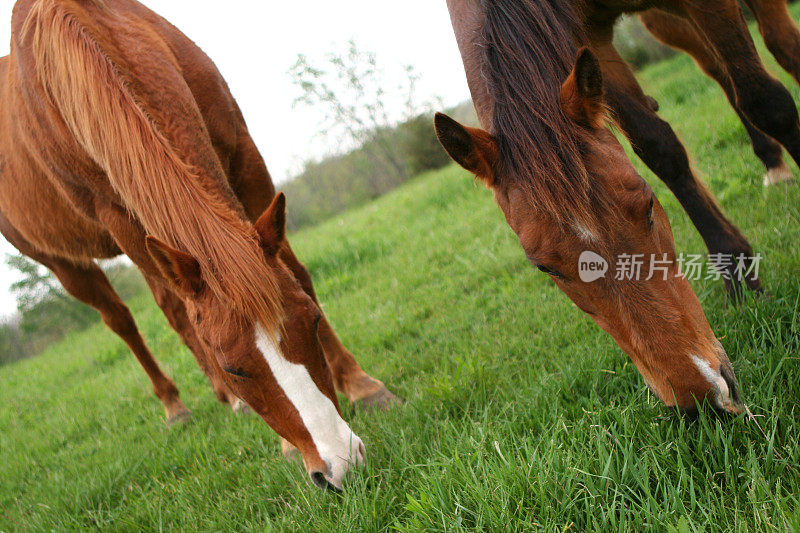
(179,88)
(173,81)
(245,169)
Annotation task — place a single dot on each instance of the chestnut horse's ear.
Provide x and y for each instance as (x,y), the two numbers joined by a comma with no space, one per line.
(472,148)
(582,92)
(271,225)
(180,268)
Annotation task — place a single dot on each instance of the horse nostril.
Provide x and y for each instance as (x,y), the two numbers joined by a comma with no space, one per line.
(318,478)
(726,372)
(362,453)
(723,381)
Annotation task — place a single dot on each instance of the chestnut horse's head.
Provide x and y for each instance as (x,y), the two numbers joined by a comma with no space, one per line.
(280,371)
(583,221)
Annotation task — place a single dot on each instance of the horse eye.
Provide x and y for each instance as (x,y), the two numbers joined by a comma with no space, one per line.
(650,214)
(549,271)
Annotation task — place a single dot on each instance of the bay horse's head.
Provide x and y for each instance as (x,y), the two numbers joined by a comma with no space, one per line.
(281,371)
(608,217)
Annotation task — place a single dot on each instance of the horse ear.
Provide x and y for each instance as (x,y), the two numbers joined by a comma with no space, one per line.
(179,268)
(271,225)
(472,148)
(582,92)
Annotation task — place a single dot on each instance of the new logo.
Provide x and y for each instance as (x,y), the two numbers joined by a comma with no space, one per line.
(591,266)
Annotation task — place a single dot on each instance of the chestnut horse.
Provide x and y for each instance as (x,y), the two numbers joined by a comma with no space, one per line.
(542,76)
(118,135)
(782,38)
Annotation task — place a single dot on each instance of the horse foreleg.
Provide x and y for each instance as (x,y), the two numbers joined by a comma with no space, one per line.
(679,33)
(88,284)
(659,148)
(762,98)
(780,33)
(348,376)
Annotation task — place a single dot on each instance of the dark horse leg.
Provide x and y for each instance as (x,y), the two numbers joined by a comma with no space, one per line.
(175,311)
(679,33)
(780,33)
(656,144)
(253,186)
(762,98)
(87,283)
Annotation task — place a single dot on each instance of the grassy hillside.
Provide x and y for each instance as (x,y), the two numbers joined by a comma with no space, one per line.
(520,412)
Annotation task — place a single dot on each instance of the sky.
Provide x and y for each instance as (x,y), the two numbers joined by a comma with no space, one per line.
(255,42)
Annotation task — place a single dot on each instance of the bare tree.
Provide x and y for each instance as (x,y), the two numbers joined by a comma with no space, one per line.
(350,91)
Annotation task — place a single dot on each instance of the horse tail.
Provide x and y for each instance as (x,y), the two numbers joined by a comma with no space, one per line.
(137,120)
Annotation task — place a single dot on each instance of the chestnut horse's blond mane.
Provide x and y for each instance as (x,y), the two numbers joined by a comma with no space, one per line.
(190,208)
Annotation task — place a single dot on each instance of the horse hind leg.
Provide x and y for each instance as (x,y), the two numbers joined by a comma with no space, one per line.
(680,34)
(88,284)
(776,175)
(762,98)
(780,33)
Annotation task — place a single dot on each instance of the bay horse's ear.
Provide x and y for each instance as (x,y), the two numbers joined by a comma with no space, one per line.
(179,268)
(472,148)
(271,225)
(582,92)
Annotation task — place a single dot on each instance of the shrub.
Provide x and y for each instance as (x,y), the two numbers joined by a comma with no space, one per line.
(46,313)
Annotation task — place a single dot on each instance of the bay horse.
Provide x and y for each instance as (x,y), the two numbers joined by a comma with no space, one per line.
(119,135)
(782,38)
(543,76)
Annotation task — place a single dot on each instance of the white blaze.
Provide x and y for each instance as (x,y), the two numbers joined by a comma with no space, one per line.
(336,443)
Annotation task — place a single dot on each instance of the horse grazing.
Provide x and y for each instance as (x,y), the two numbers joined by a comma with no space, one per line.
(782,38)
(571,195)
(118,135)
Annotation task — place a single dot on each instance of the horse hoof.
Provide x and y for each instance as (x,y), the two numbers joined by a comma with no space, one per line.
(179,418)
(780,174)
(379,401)
(240,407)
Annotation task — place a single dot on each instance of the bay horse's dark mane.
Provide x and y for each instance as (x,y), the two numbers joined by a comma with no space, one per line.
(529,52)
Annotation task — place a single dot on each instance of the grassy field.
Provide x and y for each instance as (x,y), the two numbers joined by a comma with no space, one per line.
(521,414)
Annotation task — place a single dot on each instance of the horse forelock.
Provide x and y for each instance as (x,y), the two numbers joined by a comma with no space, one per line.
(529,50)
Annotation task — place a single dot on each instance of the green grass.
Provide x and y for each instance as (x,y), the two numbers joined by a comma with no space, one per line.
(521,414)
